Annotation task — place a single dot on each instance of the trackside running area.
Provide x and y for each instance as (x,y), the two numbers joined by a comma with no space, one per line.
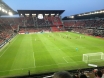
(48,52)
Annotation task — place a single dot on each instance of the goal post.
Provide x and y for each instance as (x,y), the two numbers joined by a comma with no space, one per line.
(93,57)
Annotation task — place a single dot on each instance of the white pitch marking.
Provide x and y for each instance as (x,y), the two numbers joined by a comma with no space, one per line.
(75,55)
(17,69)
(58,64)
(7,48)
(65,60)
(34,60)
(71,59)
(39,66)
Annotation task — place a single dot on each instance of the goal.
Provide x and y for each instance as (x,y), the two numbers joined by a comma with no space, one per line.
(93,57)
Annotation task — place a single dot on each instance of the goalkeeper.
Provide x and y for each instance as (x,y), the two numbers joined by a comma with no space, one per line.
(76,49)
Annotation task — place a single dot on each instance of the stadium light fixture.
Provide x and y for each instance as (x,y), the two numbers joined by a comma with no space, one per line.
(52,14)
(79,15)
(97,12)
(21,15)
(3,10)
(46,14)
(10,13)
(40,16)
(33,14)
(71,16)
(86,14)
(101,11)
(27,14)
(92,13)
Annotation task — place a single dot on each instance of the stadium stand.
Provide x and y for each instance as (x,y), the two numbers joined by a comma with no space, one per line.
(9,27)
(88,26)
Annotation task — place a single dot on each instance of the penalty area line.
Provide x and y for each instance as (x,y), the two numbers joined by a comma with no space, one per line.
(58,64)
(65,60)
(34,60)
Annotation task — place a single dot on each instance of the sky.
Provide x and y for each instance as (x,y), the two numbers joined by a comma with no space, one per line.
(71,7)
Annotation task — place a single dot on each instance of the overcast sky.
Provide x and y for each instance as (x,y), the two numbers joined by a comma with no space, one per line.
(71,7)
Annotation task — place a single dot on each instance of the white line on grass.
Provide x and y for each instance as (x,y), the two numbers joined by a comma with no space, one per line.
(4,52)
(65,60)
(59,64)
(74,56)
(70,58)
(7,48)
(74,61)
(17,69)
(39,66)
(51,65)
(34,60)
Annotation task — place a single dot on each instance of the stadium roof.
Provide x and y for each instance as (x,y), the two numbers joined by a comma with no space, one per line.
(36,12)
(5,9)
(86,15)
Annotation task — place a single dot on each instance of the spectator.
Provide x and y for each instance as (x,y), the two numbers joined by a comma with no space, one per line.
(75,76)
(83,76)
(98,74)
(103,73)
(62,74)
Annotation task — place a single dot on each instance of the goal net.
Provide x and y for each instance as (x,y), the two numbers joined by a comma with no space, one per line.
(93,57)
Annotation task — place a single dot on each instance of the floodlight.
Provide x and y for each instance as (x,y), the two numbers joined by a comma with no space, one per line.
(10,13)
(80,15)
(71,17)
(3,10)
(33,14)
(101,11)
(46,14)
(40,16)
(52,14)
(86,14)
(93,13)
(97,12)
(27,14)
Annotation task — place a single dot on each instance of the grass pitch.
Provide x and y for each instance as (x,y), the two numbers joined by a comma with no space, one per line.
(47,52)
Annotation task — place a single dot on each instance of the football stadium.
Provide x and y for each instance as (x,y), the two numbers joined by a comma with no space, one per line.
(39,43)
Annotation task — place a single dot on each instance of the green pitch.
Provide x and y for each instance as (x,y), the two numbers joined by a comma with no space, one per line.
(47,52)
